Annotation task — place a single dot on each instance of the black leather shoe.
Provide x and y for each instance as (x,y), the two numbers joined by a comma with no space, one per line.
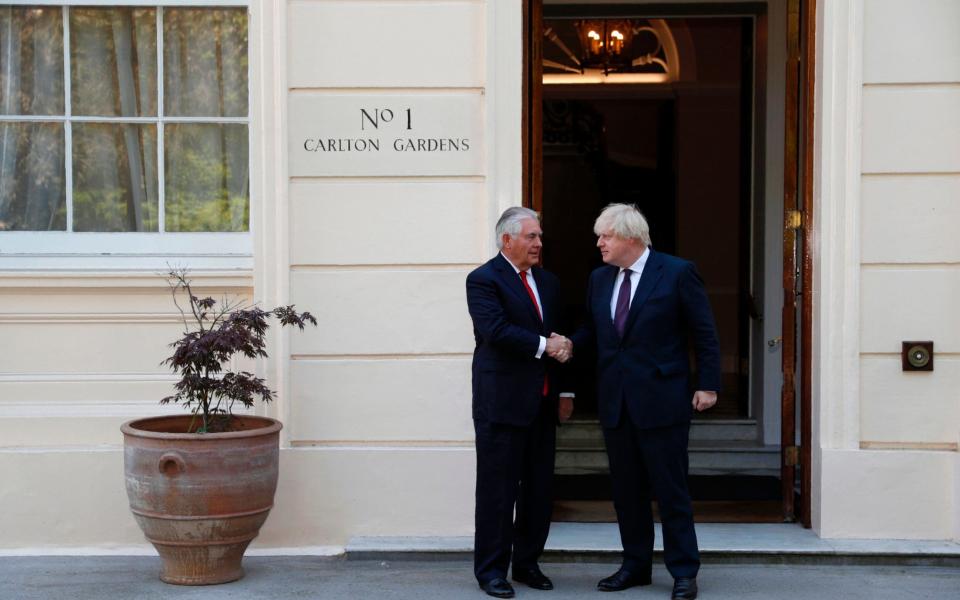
(498,588)
(533,578)
(684,588)
(623,579)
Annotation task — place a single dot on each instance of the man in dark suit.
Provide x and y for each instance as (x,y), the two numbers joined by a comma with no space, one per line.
(643,308)
(514,306)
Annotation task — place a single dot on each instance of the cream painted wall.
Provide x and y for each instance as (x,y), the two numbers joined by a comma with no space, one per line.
(72,499)
(379,435)
(888,494)
(376,401)
(83,354)
(80,355)
(378,439)
(910,258)
(888,172)
(81,339)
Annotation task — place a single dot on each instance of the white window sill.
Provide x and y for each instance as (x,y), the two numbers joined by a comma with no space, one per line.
(46,254)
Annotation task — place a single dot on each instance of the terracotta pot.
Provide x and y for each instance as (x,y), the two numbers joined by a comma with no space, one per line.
(200,499)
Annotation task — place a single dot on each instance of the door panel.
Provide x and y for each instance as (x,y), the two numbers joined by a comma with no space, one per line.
(797,260)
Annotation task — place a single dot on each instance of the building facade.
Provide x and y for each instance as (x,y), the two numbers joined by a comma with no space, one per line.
(359,152)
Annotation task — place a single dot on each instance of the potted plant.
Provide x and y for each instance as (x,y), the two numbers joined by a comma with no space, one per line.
(201,485)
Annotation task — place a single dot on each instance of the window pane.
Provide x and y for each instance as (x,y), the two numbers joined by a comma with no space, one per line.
(113,61)
(32,184)
(205,62)
(207,178)
(114,177)
(31,60)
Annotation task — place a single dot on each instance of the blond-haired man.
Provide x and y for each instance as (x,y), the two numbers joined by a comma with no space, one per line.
(644,309)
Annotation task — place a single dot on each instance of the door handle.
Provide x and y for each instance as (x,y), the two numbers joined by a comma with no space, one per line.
(775,341)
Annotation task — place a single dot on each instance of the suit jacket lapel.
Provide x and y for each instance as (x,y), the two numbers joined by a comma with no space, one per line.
(652,271)
(606,283)
(512,279)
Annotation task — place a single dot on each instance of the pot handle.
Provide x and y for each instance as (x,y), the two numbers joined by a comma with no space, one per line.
(171,464)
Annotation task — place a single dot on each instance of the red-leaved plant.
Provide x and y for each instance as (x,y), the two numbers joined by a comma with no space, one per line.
(213,333)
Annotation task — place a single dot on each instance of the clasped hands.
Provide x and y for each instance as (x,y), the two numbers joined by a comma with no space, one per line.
(559,347)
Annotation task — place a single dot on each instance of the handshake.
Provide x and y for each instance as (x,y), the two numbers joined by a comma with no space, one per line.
(559,347)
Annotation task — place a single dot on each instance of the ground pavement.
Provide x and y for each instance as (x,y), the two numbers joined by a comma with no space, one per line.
(303,577)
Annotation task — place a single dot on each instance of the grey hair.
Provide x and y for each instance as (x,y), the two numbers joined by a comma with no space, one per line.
(509,222)
(625,220)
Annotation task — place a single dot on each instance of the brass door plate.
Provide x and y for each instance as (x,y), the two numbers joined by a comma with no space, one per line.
(917,356)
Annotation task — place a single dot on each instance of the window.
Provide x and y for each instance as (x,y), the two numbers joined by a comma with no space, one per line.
(124,119)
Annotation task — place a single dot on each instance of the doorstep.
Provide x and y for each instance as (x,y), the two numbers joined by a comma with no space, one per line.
(722,543)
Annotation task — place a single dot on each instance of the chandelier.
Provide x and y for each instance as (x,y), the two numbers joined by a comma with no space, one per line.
(603,44)
(605,47)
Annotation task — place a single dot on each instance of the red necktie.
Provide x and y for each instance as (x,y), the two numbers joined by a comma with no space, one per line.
(533,298)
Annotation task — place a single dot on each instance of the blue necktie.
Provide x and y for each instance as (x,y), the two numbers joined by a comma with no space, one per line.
(623,304)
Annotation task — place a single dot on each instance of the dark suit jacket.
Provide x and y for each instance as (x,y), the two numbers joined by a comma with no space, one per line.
(507,377)
(647,371)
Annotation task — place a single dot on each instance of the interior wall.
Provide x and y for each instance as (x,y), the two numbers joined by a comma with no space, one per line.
(772,205)
(710,230)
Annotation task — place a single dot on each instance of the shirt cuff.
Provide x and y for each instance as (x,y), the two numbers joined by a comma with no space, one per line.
(543,346)
(567,395)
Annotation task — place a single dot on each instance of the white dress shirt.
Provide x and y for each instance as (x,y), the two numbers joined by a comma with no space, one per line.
(636,269)
(533,286)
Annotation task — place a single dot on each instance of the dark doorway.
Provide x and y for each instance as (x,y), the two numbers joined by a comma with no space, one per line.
(682,150)
(600,148)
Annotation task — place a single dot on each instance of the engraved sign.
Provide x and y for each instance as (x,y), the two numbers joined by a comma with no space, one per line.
(382,135)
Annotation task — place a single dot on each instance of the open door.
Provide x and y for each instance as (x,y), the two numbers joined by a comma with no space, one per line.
(533,104)
(797,261)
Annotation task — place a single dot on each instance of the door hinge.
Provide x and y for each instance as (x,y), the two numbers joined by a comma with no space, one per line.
(792,456)
(793,219)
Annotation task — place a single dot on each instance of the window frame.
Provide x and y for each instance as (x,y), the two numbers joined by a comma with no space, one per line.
(23,250)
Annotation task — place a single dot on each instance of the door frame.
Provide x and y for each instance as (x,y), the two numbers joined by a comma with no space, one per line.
(798,258)
(798,195)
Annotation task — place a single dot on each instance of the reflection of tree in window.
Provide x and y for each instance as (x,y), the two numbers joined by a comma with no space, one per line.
(32,181)
(205,75)
(205,62)
(207,182)
(115,177)
(113,74)
(113,62)
(32,184)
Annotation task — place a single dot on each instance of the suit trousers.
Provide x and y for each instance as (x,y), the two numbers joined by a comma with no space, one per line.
(647,463)
(514,468)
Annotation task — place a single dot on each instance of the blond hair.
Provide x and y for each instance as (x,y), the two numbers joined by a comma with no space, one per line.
(625,220)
